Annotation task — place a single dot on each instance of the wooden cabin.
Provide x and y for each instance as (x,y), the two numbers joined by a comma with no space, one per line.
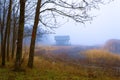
(62,40)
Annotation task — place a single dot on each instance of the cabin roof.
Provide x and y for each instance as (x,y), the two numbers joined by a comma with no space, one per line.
(62,38)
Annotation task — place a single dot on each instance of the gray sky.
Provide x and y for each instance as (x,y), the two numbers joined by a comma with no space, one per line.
(103,27)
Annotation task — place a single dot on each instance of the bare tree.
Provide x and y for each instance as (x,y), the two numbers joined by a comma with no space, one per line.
(3,18)
(9,28)
(46,14)
(15,27)
(0,26)
(6,32)
(32,45)
(20,34)
(51,11)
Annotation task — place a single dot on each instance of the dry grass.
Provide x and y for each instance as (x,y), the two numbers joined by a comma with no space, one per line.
(101,57)
(46,69)
(101,54)
(47,48)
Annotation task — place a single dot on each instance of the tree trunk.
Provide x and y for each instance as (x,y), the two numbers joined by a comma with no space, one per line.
(8,32)
(1,37)
(33,38)
(8,43)
(13,41)
(20,35)
(2,29)
(14,34)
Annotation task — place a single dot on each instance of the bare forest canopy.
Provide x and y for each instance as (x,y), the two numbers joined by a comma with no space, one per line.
(43,16)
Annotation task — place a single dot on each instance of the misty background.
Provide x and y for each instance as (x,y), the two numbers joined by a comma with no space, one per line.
(104,26)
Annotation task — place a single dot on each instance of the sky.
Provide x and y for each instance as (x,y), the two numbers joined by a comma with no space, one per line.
(105,26)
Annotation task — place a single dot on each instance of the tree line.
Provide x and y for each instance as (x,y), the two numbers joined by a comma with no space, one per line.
(15,14)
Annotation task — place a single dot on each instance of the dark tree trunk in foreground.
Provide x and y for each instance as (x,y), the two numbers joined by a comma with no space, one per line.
(1,28)
(6,32)
(32,45)
(2,31)
(20,36)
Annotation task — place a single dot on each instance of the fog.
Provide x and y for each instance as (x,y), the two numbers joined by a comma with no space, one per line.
(105,26)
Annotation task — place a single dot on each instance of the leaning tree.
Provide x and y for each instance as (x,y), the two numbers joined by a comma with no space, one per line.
(50,13)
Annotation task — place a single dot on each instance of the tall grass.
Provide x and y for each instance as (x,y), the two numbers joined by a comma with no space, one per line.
(46,69)
(101,57)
